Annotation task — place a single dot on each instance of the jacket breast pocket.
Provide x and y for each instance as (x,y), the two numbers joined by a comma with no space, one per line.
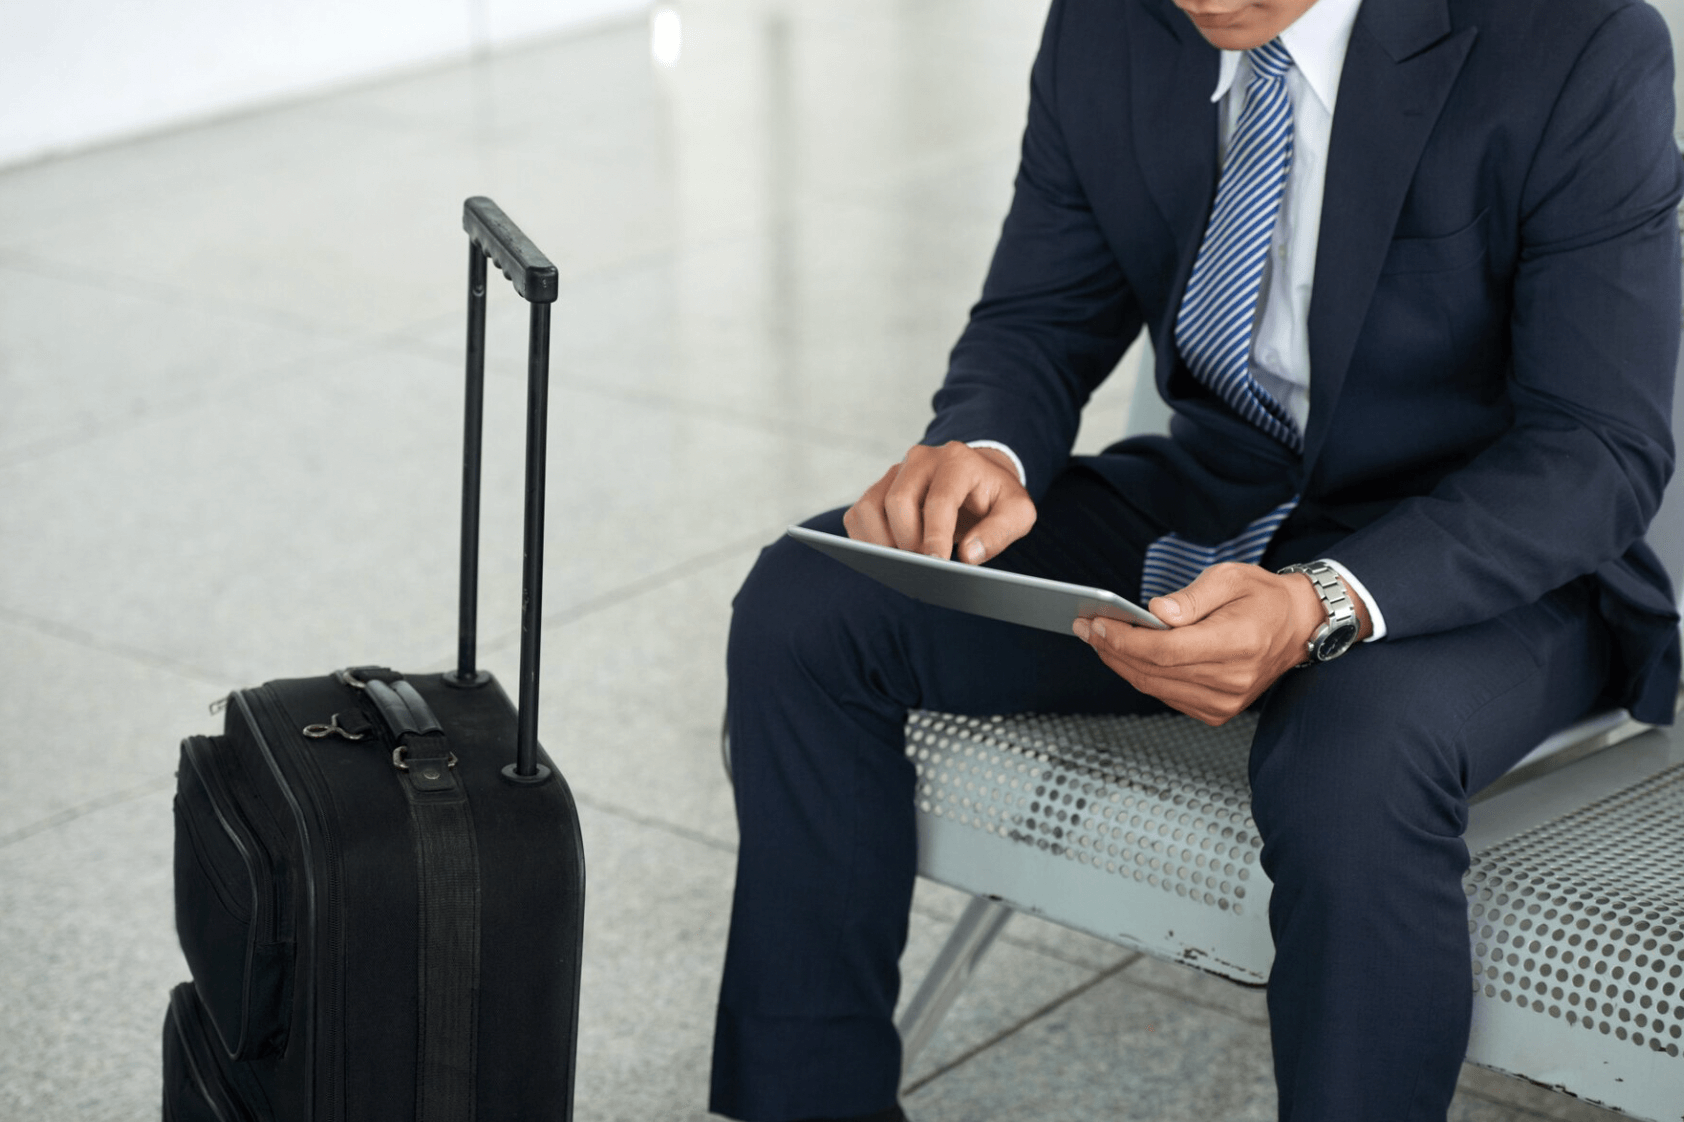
(1438,254)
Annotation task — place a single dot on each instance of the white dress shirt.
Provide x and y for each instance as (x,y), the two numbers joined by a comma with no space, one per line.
(1280,348)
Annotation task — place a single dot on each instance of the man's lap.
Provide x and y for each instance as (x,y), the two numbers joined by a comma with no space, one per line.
(1498,686)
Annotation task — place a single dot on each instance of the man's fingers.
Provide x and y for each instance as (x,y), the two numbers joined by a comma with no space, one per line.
(948,492)
(865,520)
(903,504)
(940,490)
(928,499)
(1146,646)
(1234,631)
(1184,655)
(1198,700)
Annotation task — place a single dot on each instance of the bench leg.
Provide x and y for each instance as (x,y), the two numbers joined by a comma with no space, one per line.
(979,924)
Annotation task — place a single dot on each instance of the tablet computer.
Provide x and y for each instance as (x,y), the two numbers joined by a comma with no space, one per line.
(1050,605)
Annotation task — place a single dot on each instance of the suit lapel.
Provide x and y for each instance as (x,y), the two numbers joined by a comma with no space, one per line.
(1173,71)
(1173,125)
(1403,59)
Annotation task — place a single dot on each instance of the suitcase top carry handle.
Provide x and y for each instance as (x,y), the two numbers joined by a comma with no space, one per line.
(404,710)
(490,233)
(510,250)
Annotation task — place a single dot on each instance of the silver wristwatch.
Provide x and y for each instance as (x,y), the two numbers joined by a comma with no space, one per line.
(1342,627)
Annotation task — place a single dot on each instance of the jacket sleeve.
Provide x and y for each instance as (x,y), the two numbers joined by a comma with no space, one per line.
(1055,314)
(1575,480)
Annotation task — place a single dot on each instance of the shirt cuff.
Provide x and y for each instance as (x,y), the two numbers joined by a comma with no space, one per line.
(1374,615)
(1022,479)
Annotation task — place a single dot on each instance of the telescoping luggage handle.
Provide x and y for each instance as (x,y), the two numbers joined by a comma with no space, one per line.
(491,234)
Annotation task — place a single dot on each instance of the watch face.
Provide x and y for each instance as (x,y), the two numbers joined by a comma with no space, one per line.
(1336,642)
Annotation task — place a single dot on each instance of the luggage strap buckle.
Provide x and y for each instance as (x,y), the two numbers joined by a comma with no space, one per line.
(400,758)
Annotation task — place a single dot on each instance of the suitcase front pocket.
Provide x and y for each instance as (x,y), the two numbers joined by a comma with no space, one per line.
(200,1083)
(228,909)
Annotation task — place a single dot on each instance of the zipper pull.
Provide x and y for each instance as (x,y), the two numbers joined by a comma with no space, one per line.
(355,726)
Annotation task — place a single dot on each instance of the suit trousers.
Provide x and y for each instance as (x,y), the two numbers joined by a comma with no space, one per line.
(1360,772)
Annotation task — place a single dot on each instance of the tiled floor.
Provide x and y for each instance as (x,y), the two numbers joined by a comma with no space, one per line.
(229,357)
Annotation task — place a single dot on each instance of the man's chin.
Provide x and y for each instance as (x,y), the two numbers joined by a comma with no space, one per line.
(1236,38)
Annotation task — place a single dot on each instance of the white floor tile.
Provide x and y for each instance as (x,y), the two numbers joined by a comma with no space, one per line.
(93,725)
(1116,1052)
(655,919)
(80,357)
(87,922)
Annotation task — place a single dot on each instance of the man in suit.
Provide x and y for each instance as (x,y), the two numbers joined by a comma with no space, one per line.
(1411,271)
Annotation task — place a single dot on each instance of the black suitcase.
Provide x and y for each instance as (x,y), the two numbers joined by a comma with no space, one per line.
(379,877)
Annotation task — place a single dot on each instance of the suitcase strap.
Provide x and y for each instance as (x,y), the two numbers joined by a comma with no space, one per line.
(447,872)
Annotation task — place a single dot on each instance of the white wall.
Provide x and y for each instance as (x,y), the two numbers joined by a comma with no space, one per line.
(78,72)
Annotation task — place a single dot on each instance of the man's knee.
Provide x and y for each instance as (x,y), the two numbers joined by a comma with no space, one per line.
(1347,781)
(816,705)
(775,604)
(800,610)
(1385,744)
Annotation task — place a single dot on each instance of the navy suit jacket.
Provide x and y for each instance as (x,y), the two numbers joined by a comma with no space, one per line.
(1494,325)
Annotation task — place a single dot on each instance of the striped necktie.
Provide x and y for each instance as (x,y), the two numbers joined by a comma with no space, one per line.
(1213,328)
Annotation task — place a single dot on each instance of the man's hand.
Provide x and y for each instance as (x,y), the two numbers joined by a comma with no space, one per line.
(938,498)
(1233,631)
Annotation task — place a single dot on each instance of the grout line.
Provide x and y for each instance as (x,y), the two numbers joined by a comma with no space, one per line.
(193,299)
(971,1053)
(80,638)
(1563,1100)
(70,814)
(602,806)
(777,426)
(995,153)
(1211,1006)
(1164,991)
(633,589)
(720,411)
(166,410)
(1515,1108)
(1048,952)
(937,915)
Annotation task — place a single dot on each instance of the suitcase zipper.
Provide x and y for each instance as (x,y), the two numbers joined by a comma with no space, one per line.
(240,871)
(208,1077)
(221,883)
(325,905)
(260,863)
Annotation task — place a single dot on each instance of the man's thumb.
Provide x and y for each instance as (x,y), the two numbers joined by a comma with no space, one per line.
(1190,604)
(1008,521)
(986,540)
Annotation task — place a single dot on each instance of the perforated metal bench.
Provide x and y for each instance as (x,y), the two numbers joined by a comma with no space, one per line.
(1138,830)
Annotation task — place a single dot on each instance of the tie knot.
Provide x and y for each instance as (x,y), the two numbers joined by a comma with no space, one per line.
(1271,60)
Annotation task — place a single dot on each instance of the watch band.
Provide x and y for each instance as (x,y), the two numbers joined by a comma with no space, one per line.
(1339,632)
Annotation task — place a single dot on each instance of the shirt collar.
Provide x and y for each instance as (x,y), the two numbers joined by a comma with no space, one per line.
(1317,41)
